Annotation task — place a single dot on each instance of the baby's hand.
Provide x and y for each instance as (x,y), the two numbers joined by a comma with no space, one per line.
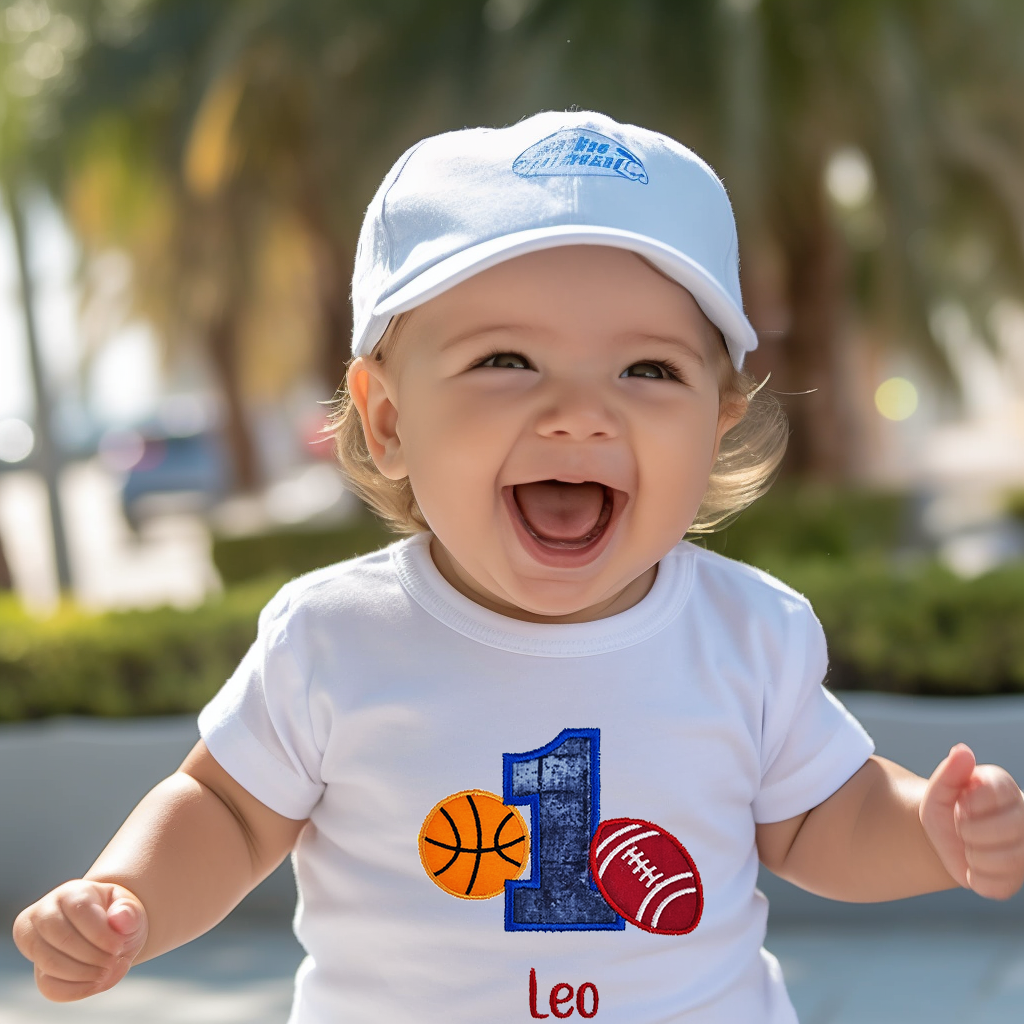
(974,817)
(82,938)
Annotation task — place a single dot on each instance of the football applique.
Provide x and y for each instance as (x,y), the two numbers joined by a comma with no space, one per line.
(646,874)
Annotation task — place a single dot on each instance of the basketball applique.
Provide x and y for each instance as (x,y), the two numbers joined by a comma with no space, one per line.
(646,874)
(471,842)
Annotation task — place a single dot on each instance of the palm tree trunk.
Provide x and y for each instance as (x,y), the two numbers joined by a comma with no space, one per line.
(48,458)
(222,345)
(333,274)
(811,371)
(6,582)
(332,263)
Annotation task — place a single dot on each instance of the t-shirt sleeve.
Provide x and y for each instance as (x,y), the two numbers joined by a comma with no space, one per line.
(810,744)
(258,727)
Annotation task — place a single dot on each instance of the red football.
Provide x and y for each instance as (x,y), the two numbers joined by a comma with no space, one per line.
(646,874)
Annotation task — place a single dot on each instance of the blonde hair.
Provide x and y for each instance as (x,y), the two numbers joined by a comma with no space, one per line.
(748,459)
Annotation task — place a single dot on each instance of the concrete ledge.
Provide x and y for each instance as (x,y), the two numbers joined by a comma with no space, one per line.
(67,786)
(69,783)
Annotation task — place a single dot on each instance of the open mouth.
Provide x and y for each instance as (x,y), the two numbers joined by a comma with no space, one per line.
(564,516)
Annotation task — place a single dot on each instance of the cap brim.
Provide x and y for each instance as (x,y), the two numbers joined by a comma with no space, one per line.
(717,305)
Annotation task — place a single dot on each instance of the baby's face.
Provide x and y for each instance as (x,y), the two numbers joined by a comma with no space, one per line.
(558,416)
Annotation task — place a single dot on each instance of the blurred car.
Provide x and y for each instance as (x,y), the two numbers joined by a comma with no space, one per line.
(165,473)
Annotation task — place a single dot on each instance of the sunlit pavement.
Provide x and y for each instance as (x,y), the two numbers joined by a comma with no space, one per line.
(242,972)
(169,560)
(239,973)
(939,973)
(169,563)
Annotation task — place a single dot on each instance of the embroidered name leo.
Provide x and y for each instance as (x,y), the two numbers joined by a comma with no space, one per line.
(560,999)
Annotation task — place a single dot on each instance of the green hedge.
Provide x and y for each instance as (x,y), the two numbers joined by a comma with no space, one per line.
(796,521)
(916,630)
(292,552)
(919,630)
(123,664)
(891,625)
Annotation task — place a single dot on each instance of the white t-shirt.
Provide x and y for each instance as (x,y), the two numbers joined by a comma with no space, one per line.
(375,690)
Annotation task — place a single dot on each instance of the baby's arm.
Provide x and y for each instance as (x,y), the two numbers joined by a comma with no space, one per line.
(887,834)
(188,853)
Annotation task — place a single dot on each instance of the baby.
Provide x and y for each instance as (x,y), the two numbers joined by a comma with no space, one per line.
(527,759)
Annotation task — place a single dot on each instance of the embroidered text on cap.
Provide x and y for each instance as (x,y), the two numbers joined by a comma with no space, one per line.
(578,151)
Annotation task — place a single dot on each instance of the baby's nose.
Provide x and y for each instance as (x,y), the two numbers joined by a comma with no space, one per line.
(579,413)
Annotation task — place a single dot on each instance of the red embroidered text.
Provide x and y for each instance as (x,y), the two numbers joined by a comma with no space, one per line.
(560,999)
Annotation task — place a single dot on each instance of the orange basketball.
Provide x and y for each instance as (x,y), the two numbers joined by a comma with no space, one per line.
(471,842)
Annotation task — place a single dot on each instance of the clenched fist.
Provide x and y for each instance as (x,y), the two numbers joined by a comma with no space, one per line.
(82,938)
(974,817)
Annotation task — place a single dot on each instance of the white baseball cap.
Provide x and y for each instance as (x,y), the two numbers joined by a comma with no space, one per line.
(458,203)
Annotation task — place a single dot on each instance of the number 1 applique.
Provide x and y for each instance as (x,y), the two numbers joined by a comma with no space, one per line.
(560,782)
(584,874)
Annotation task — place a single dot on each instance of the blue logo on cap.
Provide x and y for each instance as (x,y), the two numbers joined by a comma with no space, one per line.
(579,151)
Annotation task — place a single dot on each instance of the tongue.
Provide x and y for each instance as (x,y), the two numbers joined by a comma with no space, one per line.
(559,511)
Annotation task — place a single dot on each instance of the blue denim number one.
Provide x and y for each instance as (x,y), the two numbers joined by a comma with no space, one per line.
(560,783)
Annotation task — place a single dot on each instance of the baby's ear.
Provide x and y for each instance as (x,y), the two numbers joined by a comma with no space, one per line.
(373,396)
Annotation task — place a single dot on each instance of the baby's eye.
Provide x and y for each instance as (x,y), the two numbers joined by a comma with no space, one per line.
(506,361)
(653,371)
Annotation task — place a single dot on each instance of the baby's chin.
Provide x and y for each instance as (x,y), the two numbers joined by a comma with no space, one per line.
(565,601)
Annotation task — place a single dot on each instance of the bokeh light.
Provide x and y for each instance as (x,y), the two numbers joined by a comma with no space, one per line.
(121,450)
(16,440)
(896,398)
(849,178)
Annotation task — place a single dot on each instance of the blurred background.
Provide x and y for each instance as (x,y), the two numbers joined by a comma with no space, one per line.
(181,188)
(183,184)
